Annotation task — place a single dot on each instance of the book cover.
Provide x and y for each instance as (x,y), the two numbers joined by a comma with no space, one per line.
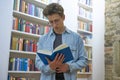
(62,49)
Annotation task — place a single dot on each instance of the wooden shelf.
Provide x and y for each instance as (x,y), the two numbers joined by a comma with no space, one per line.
(84,74)
(30,74)
(84,19)
(88,45)
(85,6)
(25,72)
(37,3)
(30,18)
(25,34)
(84,31)
(22,54)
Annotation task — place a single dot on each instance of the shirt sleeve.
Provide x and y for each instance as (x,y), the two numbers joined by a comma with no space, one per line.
(82,59)
(38,62)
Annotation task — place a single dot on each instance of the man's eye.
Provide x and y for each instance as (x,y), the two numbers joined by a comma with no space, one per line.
(56,20)
(51,22)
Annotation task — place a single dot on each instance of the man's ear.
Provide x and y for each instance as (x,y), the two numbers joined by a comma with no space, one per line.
(63,17)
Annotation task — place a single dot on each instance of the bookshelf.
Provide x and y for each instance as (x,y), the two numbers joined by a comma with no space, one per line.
(28,24)
(85,27)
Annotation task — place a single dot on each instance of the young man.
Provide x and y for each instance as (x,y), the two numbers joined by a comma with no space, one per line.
(59,33)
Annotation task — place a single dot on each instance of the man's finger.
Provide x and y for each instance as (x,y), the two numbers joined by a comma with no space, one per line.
(56,57)
(61,58)
(48,60)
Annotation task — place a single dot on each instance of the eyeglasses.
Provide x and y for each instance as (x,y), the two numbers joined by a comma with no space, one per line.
(56,21)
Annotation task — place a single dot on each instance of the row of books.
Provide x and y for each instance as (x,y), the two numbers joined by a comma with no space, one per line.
(26,26)
(89,52)
(86,2)
(84,26)
(22,44)
(22,64)
(19,78)
(84,13)
(88,68)
(28,8)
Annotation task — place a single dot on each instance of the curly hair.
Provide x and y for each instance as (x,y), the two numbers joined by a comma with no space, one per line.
(52,9)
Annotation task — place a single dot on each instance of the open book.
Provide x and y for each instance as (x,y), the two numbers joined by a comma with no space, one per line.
(61,49)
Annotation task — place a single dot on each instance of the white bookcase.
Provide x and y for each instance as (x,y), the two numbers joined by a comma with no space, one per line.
(85,27)
(31,13)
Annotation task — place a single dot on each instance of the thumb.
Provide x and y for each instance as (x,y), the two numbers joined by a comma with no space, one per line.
(48,60)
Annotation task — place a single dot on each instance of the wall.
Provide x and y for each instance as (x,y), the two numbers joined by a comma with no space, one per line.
(98,39)
(5,32)
(71,12)
(112,27)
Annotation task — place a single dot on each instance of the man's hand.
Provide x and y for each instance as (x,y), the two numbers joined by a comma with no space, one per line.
(63,68)
(57,62)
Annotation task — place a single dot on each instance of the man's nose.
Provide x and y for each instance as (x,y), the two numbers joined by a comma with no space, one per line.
(54,24)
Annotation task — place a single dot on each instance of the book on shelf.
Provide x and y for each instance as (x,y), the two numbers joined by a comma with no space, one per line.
(11,77)
(61,49)
(23,44)
(22,64)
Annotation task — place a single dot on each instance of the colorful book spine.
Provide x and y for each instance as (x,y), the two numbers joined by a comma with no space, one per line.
(26,26)
(22,64)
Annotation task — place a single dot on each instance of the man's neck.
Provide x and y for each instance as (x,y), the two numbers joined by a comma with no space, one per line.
(59,31)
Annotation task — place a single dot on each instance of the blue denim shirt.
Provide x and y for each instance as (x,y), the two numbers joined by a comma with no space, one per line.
(74,41)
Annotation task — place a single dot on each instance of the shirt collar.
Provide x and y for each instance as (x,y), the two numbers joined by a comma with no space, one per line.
(66,31)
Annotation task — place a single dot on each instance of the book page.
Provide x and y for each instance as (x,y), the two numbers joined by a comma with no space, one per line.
(47,52)
(62,46)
